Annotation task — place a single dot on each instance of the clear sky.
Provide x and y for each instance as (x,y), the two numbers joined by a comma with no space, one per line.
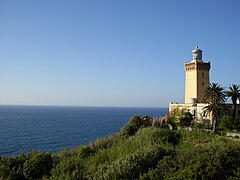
(112,52)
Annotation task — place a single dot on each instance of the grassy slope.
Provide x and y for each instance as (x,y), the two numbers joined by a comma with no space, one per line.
(146,155)
(148,149)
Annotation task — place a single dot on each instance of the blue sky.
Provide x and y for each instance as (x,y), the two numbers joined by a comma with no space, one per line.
(112,53)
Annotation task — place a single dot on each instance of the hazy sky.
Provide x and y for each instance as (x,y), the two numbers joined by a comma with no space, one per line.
(112,52)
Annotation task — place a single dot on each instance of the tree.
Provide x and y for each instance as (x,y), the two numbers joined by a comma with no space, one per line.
(215,98)
(186,119)
(214,93)
(136,122)
(233,92)
(40,164)
(216,109)
(180,117)
(174,138)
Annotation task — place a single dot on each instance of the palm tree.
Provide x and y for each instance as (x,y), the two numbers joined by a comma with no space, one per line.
(233,92)
(216,109)
(214,92)
(215,97)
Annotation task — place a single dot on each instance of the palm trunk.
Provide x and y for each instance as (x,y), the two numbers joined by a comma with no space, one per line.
(234,107)
(214,123)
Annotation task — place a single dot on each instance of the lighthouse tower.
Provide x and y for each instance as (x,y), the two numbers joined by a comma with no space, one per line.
(197,77)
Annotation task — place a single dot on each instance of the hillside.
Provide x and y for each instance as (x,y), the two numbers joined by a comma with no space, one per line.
(149,154)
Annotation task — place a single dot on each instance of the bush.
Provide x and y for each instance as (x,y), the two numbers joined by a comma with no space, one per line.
(217,160)
(128,131)
(84,151)
(136,122)
(227,123)
(174,138)
(39,165)
(68,168)
(202,125)
(12,167)
(182,118)
(131,166)
(172,122)
(186,119)
(106,142)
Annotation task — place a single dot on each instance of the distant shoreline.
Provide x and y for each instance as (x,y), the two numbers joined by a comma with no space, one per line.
(28,105)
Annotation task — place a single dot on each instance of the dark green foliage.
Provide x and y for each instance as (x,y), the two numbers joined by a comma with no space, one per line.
(201,125)
(128,131)
(217,160)
(136,122)
(12,167)
(148,154)
(68,168)
(186,119)
(38,165)
(234,93)
(172,121)
(174,138)
(228,123)
(180,118)
(145,140)
(215,98)
(106,142)
(84,151)
(130,166)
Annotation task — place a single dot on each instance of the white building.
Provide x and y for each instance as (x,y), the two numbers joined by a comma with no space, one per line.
(197,79)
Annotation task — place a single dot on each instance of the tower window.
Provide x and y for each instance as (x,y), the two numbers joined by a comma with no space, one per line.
(202,74)
(202,83)
(194,113)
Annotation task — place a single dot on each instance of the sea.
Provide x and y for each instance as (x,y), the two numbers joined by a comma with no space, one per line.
(54,128)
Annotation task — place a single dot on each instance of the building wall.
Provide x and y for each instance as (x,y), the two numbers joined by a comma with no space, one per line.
(197,110)
(190,84)
(197,79)
(202,81)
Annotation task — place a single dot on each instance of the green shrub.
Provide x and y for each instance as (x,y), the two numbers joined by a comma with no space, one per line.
(142,141)
(68,168)
(39,165)
(12,167)
(128,131)
(136,122)
(201,125)
(172,121)
(174,138)
(216,160)
(130,166)
(186,119)
(106,142)
(227,123)
(64,153)
(84,151)
(180,117)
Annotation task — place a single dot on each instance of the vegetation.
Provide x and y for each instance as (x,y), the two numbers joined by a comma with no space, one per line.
(215,98)
(180,118)
(141,150)
(234,93)
(228,123)
(148,153)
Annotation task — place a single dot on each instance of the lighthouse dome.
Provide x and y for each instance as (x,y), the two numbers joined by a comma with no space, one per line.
(197,54)
(197,50)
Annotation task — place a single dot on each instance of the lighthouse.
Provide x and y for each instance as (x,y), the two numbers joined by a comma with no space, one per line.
(196,78)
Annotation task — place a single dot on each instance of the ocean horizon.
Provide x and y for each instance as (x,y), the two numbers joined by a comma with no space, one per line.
(25,128)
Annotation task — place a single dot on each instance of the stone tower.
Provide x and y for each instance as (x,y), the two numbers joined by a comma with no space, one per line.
(197,77)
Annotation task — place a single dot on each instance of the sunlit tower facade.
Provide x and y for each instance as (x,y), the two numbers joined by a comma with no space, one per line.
(197,77)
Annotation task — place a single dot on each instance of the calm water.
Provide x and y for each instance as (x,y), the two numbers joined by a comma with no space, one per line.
(48,128)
